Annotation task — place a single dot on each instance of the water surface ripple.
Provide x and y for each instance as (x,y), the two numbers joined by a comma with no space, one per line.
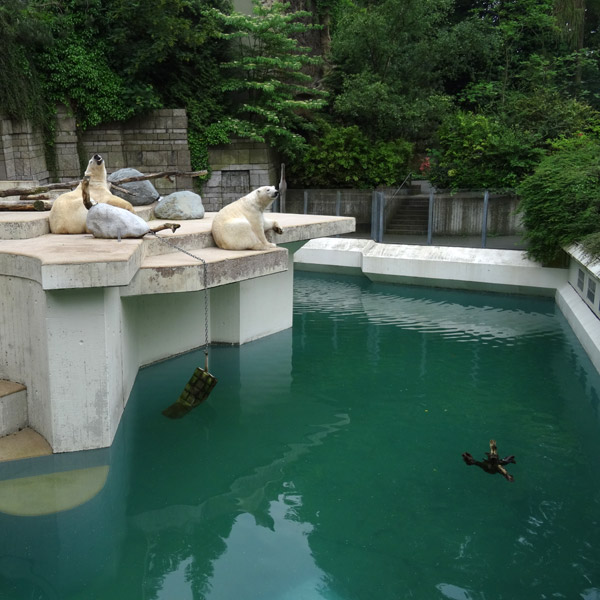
(326,464)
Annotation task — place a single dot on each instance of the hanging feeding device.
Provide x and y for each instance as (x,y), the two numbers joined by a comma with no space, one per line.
(201,382)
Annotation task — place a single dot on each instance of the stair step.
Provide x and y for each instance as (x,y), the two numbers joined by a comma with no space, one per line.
(25,443)
(406,231)
(13,407)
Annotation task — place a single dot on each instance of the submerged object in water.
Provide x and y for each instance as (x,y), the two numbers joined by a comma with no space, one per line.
(493,463)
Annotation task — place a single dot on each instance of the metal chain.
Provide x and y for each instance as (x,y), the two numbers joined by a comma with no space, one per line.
(168,243)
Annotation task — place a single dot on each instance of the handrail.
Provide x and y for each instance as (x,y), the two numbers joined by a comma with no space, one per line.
(408,177)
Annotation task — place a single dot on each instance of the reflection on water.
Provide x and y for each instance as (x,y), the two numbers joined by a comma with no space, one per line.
(327,464)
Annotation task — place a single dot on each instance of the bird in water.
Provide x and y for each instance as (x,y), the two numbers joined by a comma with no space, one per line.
(493,463)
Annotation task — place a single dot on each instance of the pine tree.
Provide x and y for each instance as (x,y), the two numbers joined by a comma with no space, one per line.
(270,95)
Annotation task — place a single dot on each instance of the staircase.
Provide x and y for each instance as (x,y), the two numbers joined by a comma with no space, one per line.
(411,216)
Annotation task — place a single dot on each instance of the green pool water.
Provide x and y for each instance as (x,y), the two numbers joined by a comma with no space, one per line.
(326,464)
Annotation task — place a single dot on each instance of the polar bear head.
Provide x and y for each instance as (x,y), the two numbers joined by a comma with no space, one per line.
(96,169)
(265,195)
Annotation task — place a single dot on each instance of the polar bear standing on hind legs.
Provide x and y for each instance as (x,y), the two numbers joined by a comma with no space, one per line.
(68,213)
(241,225)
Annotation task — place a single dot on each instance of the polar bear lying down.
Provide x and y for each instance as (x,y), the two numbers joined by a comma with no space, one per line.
(241,225)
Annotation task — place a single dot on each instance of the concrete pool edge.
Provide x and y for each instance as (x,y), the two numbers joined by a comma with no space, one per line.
(478,269)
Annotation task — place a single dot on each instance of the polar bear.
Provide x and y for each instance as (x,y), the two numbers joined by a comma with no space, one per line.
(68,214)
(241,225)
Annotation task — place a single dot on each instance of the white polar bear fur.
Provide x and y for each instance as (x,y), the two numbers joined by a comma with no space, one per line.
(68,213)
(241,225)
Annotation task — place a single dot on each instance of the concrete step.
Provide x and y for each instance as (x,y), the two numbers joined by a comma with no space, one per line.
(25,443)
(417,224)
(406,230)
(13,407)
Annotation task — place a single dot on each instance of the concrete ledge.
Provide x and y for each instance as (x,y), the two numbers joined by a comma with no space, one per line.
(71,261)
(466,268)
(342,255)
(13,407)
(24,225)
(179,272)
(582,320)
(82,261)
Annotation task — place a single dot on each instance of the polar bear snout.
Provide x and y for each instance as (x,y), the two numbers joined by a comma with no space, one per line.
(97,159)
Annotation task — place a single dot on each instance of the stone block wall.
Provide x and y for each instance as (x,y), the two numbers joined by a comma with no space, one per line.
(21,152)
(238,168)
(154,142)
(150,143)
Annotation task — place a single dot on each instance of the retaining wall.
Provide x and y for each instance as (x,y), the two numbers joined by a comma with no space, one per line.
(151,143)
(238,168)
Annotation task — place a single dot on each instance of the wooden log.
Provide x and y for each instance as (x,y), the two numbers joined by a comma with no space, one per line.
(162,175)
(32,198)
(69,185)
(36,205)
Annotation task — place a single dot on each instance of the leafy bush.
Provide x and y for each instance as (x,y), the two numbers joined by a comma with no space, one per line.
(476,151)
(560,201)
(345,157)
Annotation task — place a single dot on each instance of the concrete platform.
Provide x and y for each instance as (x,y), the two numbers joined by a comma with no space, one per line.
(78,315)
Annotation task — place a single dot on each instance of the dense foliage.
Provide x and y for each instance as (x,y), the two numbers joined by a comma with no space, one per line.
(478,92)
(346,156)
(561,199)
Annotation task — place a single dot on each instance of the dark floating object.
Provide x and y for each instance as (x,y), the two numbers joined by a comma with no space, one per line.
(493,463)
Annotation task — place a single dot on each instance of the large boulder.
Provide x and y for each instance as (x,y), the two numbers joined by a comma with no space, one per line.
(142,192)
(180,206)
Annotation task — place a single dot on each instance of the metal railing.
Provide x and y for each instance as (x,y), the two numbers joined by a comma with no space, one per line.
(474,217)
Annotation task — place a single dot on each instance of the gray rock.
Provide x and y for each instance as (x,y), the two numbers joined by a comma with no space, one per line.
(106,221)
(145,192)
(180,206)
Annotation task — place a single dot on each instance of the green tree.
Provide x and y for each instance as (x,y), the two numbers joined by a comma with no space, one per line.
(385,75)
(23,33)
(268,95)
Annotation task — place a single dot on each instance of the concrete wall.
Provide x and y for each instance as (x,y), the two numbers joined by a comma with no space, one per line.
(462,214)
(238,168)
(584,276)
